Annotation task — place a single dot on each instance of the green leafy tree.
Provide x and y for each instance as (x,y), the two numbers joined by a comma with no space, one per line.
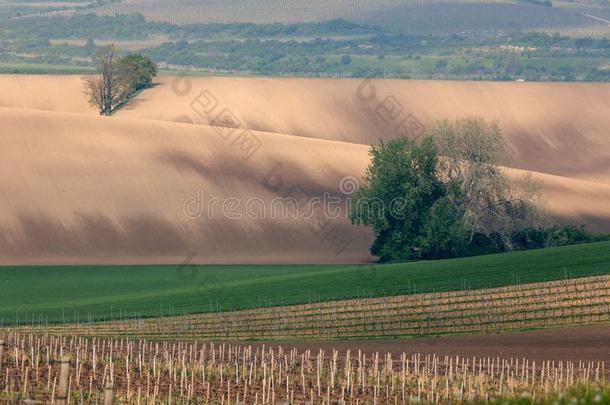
(136,70)
(400,188)
(445,234)
(448,196)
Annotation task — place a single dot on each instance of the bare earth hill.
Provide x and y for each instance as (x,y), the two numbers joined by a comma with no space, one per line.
(555,128)
(78,188)
(181,173)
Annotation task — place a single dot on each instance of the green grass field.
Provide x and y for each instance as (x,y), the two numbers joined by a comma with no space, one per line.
(55,293)
(42,68)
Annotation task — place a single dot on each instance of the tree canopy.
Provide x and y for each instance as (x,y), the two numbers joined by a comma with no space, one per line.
(117,79)
(447,195)
(136,70)
(400,189)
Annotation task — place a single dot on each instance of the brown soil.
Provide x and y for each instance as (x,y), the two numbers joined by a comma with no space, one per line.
(79,188)
(588,343)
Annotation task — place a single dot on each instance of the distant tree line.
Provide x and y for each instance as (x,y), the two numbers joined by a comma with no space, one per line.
(547,3)
(335,47)
(134,26)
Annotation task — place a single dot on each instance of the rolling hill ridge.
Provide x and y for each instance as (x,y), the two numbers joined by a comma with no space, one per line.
(136,187)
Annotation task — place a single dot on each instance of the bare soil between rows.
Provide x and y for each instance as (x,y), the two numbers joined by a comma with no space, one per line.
(587,343)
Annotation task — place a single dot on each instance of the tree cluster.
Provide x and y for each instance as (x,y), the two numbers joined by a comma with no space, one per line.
(449,195)
(117,79)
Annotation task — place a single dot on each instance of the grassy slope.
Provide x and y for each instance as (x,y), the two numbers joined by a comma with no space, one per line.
(148,290)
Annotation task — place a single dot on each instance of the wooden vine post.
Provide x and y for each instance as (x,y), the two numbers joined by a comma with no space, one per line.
(2,344)
(62,390)
(109,394)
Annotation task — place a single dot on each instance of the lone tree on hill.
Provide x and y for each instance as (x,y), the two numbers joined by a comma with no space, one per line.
(117,79)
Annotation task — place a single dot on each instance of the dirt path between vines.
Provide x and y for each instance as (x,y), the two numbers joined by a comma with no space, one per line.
(589,343)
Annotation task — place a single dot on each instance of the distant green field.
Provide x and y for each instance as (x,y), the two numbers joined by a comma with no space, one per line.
(57,293)
(42,68)
(46,68)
